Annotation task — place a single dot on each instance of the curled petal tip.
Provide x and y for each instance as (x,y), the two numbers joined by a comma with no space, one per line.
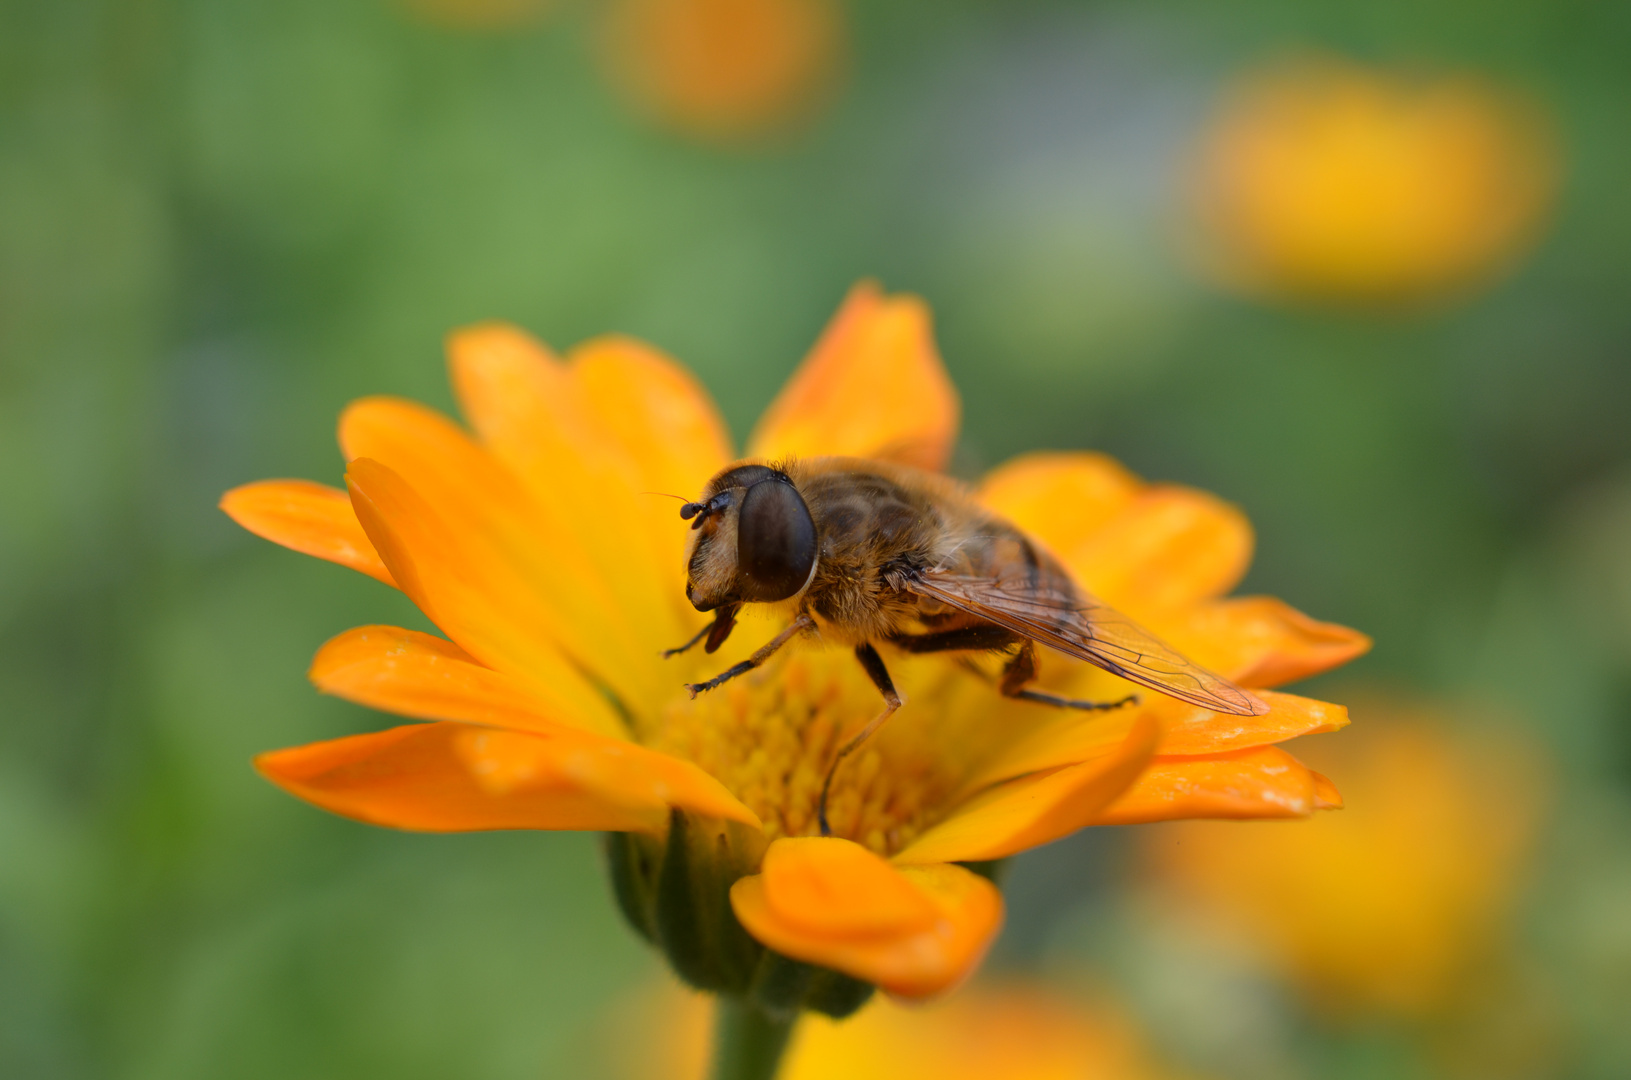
(914,931)
(1326,795)
(307,517)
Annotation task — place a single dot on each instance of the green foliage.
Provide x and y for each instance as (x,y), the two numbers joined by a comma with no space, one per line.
(221,221)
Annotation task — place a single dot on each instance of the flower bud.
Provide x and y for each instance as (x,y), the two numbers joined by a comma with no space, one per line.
(675,891)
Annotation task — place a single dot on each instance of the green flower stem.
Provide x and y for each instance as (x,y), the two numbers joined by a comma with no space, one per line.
(748,1044)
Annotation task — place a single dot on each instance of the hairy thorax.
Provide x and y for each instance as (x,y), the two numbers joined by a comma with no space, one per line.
(871,528)
(880,523)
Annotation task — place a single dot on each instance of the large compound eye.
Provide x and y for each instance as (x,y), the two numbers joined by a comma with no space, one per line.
(743,476)
(775,542)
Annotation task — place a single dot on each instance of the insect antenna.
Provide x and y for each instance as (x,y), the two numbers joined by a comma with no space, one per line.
(688,511)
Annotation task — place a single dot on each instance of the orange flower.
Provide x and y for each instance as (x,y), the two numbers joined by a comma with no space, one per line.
(532,543)
(1388,906)
(1005,1031)
(723,69)
(1321,179)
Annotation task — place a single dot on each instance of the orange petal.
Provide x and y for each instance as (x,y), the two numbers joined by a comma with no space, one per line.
(1326,795)
(478,600)
(500,523)
(543,544)
(836,888)
(914,931)
(1071,738)
(1060,499)
(313,519)
(589,440)
(461,778)
(419,675)
(427,449)
(664,426)
(655,411)
(1264,782)
(1259,640)
(504,379)
(1035,810)
(872,387)
(1168,548)
(1194,731)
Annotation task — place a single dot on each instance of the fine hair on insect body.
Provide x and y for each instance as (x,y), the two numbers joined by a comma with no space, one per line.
(873,552)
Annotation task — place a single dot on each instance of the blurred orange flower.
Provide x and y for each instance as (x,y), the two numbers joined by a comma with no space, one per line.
(723,69)
(533,545)
(1389,906)
(1322,179)
(1003,1031)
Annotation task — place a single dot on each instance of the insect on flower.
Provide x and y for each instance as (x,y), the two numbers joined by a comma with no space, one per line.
(544,704)
(869,552)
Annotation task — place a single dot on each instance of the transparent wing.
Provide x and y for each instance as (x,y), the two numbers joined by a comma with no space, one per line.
(1088,631)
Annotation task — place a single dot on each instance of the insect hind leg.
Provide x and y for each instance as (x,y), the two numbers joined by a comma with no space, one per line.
(1022,669)
(873,663)
(983,638)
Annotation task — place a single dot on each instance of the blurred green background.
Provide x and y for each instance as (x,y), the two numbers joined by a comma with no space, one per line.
(220,221)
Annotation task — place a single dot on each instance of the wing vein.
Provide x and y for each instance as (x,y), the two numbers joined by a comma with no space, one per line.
(1088,631)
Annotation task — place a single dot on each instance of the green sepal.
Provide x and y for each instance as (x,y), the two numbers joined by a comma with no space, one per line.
(783,987)
(695,925)
(632,860)
(837,995)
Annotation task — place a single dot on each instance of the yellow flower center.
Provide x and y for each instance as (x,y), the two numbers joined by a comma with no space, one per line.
(770,736)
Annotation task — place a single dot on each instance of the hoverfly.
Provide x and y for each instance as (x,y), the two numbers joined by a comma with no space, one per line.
(869,552)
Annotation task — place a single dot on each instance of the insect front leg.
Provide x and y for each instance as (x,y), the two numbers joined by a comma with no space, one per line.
(873,663)
(716,632)
(676,650)
(1022,669)
(802,623)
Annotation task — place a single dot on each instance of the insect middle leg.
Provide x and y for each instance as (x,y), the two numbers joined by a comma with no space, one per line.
(803,622)
(1022,669)
(873,663)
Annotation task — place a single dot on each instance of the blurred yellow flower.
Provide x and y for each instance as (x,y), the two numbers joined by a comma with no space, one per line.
(1389,906)
(1001,1031)
(1322,179)
(723,69)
